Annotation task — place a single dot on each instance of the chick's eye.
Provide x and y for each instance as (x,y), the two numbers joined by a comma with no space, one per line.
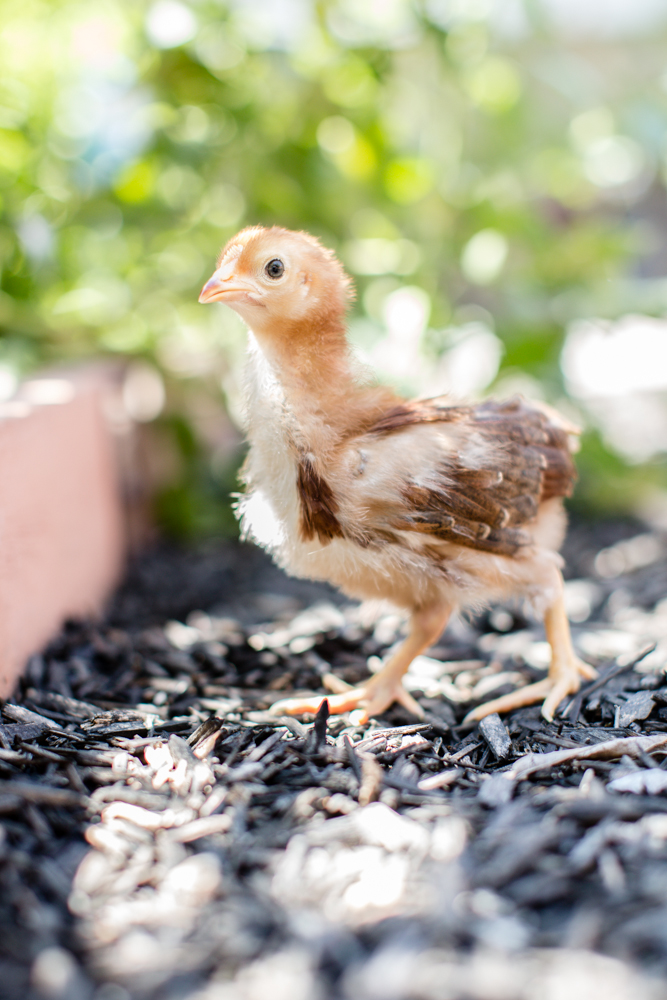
(275,268)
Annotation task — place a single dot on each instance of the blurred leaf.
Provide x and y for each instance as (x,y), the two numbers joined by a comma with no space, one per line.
(495,85)
(606,487)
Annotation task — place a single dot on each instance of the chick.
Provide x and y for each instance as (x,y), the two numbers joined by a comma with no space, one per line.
(431,506)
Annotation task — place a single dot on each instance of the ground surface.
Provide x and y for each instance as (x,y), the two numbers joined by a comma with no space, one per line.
(232,856)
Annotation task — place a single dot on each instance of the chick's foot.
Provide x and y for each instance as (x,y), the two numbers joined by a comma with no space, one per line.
(375,695)
(565,672)
(564,679)
(369,699)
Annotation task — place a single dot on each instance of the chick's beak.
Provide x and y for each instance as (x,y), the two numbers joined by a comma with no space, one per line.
(225,286)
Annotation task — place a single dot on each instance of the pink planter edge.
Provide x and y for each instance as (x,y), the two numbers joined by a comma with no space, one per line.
(63,520)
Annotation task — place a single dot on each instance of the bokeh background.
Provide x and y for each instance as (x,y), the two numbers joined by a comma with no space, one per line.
(491,173)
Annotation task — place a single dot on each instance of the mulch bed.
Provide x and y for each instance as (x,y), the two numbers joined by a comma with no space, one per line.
(163,837)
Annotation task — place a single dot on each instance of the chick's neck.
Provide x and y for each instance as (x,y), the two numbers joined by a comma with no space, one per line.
(319,393)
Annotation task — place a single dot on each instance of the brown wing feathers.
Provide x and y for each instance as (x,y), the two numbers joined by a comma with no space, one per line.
(528,462)
(319,506)
(417,411)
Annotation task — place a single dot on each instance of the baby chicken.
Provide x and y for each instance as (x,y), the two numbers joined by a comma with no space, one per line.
(431,506)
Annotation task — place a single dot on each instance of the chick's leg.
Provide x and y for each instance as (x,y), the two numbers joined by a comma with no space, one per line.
(566,668)
(376,694)
(564,676)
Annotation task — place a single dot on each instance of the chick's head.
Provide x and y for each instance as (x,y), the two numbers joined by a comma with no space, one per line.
(278,280)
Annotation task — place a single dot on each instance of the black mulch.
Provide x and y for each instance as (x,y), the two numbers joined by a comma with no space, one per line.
(163,837)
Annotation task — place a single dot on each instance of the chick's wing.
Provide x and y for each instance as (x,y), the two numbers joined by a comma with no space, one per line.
(473,475)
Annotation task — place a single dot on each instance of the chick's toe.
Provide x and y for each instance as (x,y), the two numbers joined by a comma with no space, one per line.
(369,699)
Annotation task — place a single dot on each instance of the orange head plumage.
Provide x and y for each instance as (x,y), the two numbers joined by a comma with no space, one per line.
(280,281)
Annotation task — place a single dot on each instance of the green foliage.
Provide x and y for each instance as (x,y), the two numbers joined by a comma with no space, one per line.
(427,147)
(195,502)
